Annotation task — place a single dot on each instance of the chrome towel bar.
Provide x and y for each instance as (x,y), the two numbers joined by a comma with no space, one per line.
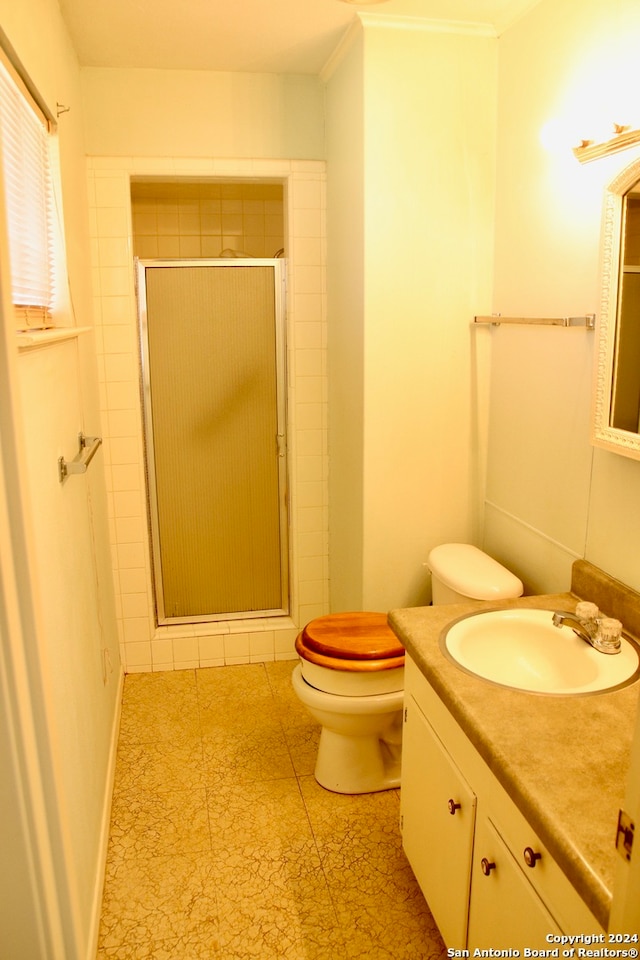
(588,321)
(88,449)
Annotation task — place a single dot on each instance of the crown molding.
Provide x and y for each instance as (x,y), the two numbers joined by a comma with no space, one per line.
(422,24)
(513,12)
(349,37)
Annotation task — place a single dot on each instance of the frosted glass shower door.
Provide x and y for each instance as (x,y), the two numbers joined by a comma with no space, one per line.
(212,344)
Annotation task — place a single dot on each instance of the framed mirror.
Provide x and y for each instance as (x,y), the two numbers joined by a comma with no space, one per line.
(616,405)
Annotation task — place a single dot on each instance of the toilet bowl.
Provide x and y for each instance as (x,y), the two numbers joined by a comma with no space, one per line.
(350,674)
(360,740)
(351,678)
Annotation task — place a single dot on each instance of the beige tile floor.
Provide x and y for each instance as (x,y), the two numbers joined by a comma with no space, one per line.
(223,846)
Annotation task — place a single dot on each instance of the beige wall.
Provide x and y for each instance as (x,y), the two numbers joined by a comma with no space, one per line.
(57,392)
(202,114)
(550,495)
(424,164)
(345,334)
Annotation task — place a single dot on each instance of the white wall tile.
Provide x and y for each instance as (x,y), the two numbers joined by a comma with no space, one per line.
(261,646)
(307,223)
(107,192)
(138,655)
(308,336)
(309,416)
(120,367)
(135,605)
(114,252)
(310,443)
(308,250)
(310,468)
(129,530)
(311,494)
(124,423)
(309,278)
(117,310)
(121,395)
(133,580)
(111,222)
(130,555)
(211,649)
(136,629)
(124,450)
(284,644)
(310,390)
(117,339)
(312,592)
(185,652)
(237,648)
(162,654)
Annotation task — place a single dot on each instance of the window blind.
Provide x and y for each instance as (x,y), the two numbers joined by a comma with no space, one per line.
(29,203)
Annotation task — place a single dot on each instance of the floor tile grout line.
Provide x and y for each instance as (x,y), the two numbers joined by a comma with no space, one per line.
(321,861)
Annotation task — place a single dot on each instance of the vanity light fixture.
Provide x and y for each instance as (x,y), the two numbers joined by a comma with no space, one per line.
(622,138)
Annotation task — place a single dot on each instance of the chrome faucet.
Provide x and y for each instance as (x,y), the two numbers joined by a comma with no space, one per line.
(602,633)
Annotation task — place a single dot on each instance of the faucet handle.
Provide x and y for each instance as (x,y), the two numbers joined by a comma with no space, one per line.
(608,636)
(585,610)
(610,629)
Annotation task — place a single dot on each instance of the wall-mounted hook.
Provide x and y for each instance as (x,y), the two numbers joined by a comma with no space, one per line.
(60,109)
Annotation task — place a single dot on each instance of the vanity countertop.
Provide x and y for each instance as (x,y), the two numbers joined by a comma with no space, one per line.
(562,759)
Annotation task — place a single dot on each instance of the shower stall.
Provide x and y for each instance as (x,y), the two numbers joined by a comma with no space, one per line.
(212,337)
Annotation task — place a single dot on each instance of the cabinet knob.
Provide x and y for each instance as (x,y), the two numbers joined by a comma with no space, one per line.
(453,806)
(530,856)
(487,866)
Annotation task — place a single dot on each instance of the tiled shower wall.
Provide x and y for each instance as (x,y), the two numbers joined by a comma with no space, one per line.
(206,219)
(145,646)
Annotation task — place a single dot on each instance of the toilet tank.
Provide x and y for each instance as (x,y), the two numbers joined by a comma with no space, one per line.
(460,571)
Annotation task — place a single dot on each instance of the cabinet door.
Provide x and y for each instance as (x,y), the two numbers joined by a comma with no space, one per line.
(505,911)
(438,813)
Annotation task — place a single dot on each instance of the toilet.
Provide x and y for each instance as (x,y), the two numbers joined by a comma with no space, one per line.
(351,679)
(350,674)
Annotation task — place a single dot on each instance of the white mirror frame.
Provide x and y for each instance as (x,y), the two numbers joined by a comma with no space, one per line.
(603,434)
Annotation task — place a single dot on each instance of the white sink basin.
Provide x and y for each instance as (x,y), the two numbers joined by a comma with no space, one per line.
(522,649)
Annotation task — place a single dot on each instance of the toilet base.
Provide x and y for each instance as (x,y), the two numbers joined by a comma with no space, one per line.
(353,765)
(360,740)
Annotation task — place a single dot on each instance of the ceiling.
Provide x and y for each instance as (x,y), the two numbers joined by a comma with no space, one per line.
(249,36)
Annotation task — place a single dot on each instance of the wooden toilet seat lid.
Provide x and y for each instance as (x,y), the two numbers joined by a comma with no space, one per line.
(352,636)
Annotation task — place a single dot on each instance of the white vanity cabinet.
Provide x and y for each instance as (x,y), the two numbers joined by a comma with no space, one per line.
(488,880)
(505,910)
(438,820)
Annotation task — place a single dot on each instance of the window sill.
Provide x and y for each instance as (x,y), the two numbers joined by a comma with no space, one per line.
(31,339)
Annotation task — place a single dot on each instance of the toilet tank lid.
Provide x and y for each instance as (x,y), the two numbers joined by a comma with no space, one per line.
(472,573)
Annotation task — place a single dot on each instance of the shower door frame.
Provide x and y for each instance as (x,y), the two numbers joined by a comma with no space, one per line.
(279,267)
